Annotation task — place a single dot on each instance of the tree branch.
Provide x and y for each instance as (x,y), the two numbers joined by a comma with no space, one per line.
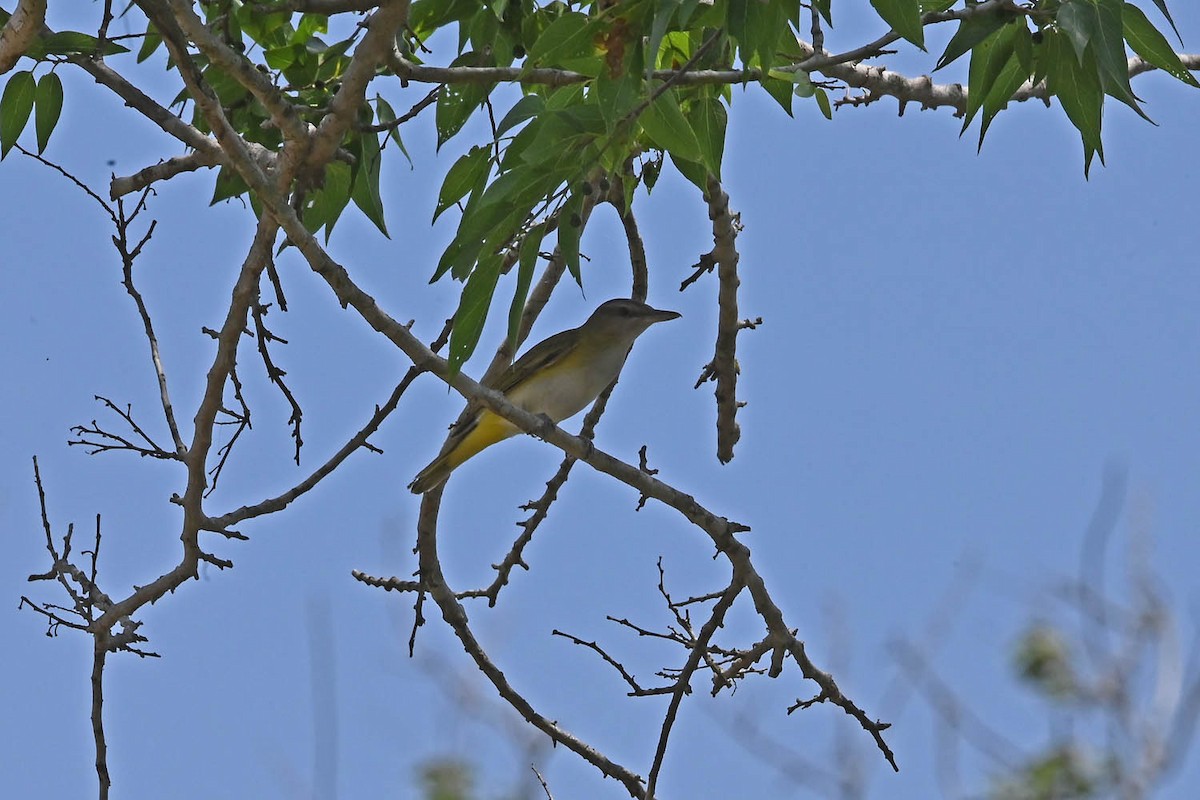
(163,170)
(373,50)
(20,31)
(724,366)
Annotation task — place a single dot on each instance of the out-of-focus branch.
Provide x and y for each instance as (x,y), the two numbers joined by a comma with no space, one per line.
(20,31)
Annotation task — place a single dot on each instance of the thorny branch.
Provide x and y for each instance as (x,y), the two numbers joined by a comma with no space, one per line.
(264,336)
(724,366)
(81,587)
(98,440)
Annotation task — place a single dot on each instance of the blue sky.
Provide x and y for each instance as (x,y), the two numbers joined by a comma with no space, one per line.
(955,347)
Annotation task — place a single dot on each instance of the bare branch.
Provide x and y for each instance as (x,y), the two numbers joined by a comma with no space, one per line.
(419,106)
(163,170)
(636,690)
(263,336)
(682,687)
(455,615)
(357,441)
(100,440)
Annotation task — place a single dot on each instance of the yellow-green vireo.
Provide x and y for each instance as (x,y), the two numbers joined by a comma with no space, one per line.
(557,378)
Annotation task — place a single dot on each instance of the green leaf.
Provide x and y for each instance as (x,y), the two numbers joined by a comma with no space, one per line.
(310,25)
(48,107)
(365,192)
(781,90)
(664,123)
(15,105)
(805,88)
(823,8)
(468,174)
(283,57)
(323,206)
(615,96)
(988,59)
(695,172)
(570,228)
(1076,18)
(524,109)
(569,36)
(823,103)
(386,115)
(1077,87)
(472,310)
(494,216)
(1151,45)
(765,24)
(229,184)
(708,118)
(735,23)
(756,27)
(457,101)
(971,31)
(564,136)
(663,11)
(1012,75)
(426,16)
(1096,24)
(150,43)
(1162,6)
(67,43)
(905,18)
(526,262)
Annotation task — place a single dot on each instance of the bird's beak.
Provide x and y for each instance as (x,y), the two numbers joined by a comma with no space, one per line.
(662,316)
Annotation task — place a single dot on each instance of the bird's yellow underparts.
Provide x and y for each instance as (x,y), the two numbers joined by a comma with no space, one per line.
(557,378)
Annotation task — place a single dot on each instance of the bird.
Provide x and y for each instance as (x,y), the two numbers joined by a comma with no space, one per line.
(557,378)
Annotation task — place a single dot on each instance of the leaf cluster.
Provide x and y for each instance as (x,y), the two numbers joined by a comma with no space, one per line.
(1078,48)
(609,93)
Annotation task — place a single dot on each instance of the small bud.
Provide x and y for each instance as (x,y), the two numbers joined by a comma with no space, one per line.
(586,188)
(1037,37)
(518,51)
(605,185)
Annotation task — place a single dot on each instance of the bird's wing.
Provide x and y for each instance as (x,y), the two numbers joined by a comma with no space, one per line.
(540,356)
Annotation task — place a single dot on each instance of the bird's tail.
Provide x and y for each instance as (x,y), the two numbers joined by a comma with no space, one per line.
(432,476)
(465,441)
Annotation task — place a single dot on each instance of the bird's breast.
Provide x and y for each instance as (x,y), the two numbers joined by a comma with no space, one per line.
(562,391)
